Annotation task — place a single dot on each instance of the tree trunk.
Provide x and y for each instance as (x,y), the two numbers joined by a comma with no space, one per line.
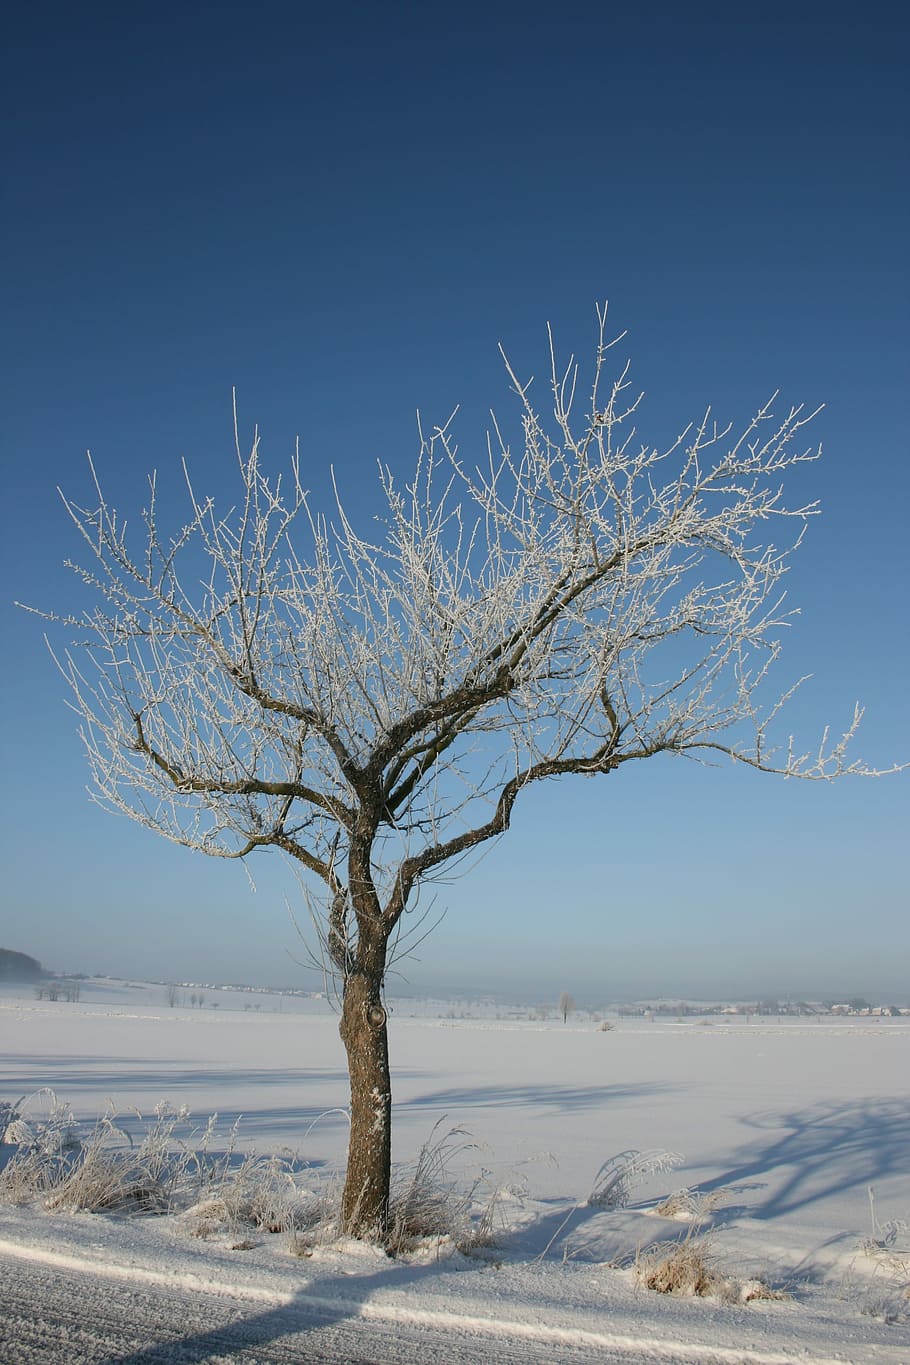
(365,1202)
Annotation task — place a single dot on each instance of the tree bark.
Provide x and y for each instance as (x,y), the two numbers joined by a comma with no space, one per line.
(365,1202)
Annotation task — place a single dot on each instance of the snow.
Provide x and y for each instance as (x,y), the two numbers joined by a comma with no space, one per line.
(784,1125)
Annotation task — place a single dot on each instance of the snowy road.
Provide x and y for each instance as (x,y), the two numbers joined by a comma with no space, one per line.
(53,1314)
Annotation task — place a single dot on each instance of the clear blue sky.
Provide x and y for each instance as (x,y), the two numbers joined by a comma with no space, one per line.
(341,210)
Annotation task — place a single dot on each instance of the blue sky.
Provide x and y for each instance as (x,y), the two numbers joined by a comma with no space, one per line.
(341,210)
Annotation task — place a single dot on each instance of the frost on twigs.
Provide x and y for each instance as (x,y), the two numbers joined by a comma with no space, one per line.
(619,1176)
(574,600)
(373,703)
(887,1248)
(690,1205)
(431,1206)
(170,1166)
(104,1168)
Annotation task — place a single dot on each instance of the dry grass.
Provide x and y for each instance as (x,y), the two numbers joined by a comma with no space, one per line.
(221,1194)
(430,1209)
(888,1248)
(262,1194)
(109,1171)
(164,1171)
(425,1200)
(43,1133)
(690,1268)
(691,1205)
(99,1172)
(678,1268)
(429,1206)
(617,1177)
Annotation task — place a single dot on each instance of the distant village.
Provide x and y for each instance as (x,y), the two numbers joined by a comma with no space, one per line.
(856,1006)
(18,967)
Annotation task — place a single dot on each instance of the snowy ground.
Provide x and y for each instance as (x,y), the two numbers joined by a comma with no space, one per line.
(793,1120)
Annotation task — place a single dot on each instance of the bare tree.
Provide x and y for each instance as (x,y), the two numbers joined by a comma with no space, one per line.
(374,707)
(566,1005)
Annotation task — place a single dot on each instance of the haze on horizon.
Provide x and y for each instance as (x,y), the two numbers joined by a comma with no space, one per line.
(595,976)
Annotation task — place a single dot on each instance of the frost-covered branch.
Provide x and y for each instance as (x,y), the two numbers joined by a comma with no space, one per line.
(374,706)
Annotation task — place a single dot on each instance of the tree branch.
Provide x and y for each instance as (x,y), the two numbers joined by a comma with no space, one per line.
(247,786)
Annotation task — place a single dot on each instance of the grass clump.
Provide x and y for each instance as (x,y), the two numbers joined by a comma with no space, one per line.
(102,1171)
(620,1174)
(261,1195)
(43,1147)
(691,1205)
(678,1268)
(165,1170)
(690,1268)
(429,1206)
(425,1201)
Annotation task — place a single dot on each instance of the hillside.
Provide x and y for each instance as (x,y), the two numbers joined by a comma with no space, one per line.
(19,966)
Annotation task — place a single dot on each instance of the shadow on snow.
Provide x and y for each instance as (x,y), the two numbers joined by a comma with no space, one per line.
(803,1156)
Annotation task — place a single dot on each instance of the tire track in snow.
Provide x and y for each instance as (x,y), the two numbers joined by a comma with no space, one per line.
(455,1332)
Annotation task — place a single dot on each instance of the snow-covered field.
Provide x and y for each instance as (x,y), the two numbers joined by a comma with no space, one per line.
(788,1124)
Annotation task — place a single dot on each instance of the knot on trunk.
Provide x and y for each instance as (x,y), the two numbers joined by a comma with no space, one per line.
(376,1015)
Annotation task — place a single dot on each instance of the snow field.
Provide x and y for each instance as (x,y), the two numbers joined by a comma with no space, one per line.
(784,1126)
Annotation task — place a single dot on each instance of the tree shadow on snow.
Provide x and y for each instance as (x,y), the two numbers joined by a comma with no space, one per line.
(568,1097)
(317,1307)
(800,1158)
(803,1156)
(71,1073)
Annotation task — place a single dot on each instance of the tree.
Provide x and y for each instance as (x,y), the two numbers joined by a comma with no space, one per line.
(374,708)
(566,1005)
